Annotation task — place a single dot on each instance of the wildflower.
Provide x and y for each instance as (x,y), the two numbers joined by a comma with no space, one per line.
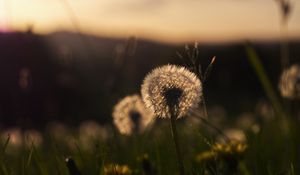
(235,135)
(222,150)
(172,92)
(264,110)
(234,147)
(33,137)
(130,114)
(289,84)
(90,131)
(57,130)
(169,87)
(113,169)
(15,137)
(223,156)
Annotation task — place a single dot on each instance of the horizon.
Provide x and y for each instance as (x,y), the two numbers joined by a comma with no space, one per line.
(161,21)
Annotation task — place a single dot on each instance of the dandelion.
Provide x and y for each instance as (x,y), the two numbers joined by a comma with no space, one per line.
(113,169)
(174,87)
(223,156)
(245,121)
(33,137)
(222,150)
(235,135)
(130,115)
(172,92)
(289,84)
(57,130)
(15,137)
(89,132)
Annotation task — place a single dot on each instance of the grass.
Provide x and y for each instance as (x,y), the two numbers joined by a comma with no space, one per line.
(269,152)
(270,149)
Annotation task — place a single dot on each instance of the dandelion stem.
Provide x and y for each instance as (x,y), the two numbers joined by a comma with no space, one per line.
(175,139)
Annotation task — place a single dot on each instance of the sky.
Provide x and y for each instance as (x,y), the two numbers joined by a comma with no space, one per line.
(161,20)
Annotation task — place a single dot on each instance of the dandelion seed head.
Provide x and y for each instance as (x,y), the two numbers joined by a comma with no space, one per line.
(33,137)
(171,86)
(130,115)
(15,137)
(90,132)
(289,84)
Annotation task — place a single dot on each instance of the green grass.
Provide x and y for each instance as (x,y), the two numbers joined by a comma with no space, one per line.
(274,149)
(269,152)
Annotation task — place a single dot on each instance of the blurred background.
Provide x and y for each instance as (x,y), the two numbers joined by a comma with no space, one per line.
(71,61)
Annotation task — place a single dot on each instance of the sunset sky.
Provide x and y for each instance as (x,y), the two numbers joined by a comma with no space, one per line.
(163,20)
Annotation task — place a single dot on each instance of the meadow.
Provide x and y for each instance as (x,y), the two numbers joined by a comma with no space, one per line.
(203,140)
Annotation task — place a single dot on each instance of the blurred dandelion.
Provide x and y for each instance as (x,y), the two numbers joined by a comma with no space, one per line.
(89,132)
(113,169)
(13,138)
(265,110)
(33,138)
(245,120)
(171,86)
(130,115)
(289,84)
(58,130)
(15,135)
(235,135)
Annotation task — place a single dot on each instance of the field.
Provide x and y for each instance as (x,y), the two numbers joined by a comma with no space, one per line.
(262,140)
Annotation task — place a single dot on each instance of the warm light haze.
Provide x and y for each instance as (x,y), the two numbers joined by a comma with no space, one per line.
(162,20)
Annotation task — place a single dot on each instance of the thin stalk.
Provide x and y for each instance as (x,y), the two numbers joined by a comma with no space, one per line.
(175,139)
(204,107)
(284,45)
(264,80)
(226,139)
(205,120)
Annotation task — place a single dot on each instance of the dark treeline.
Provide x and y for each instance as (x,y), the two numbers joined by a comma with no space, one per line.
(69,77)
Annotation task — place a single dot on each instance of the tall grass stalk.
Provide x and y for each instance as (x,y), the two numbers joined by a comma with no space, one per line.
(258,68)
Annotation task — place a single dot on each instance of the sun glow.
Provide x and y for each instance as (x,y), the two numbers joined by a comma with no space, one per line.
(159,20)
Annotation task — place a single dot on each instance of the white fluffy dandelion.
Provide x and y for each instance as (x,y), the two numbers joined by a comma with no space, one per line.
(289,84)
(169,87)
(33,137)
(130,115)
(90,132)
(233,134)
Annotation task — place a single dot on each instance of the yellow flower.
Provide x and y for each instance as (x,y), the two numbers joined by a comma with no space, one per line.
(115,169)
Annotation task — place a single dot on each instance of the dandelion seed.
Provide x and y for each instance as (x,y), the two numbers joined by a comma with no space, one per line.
(289,84)
(130,115)
(174,87)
